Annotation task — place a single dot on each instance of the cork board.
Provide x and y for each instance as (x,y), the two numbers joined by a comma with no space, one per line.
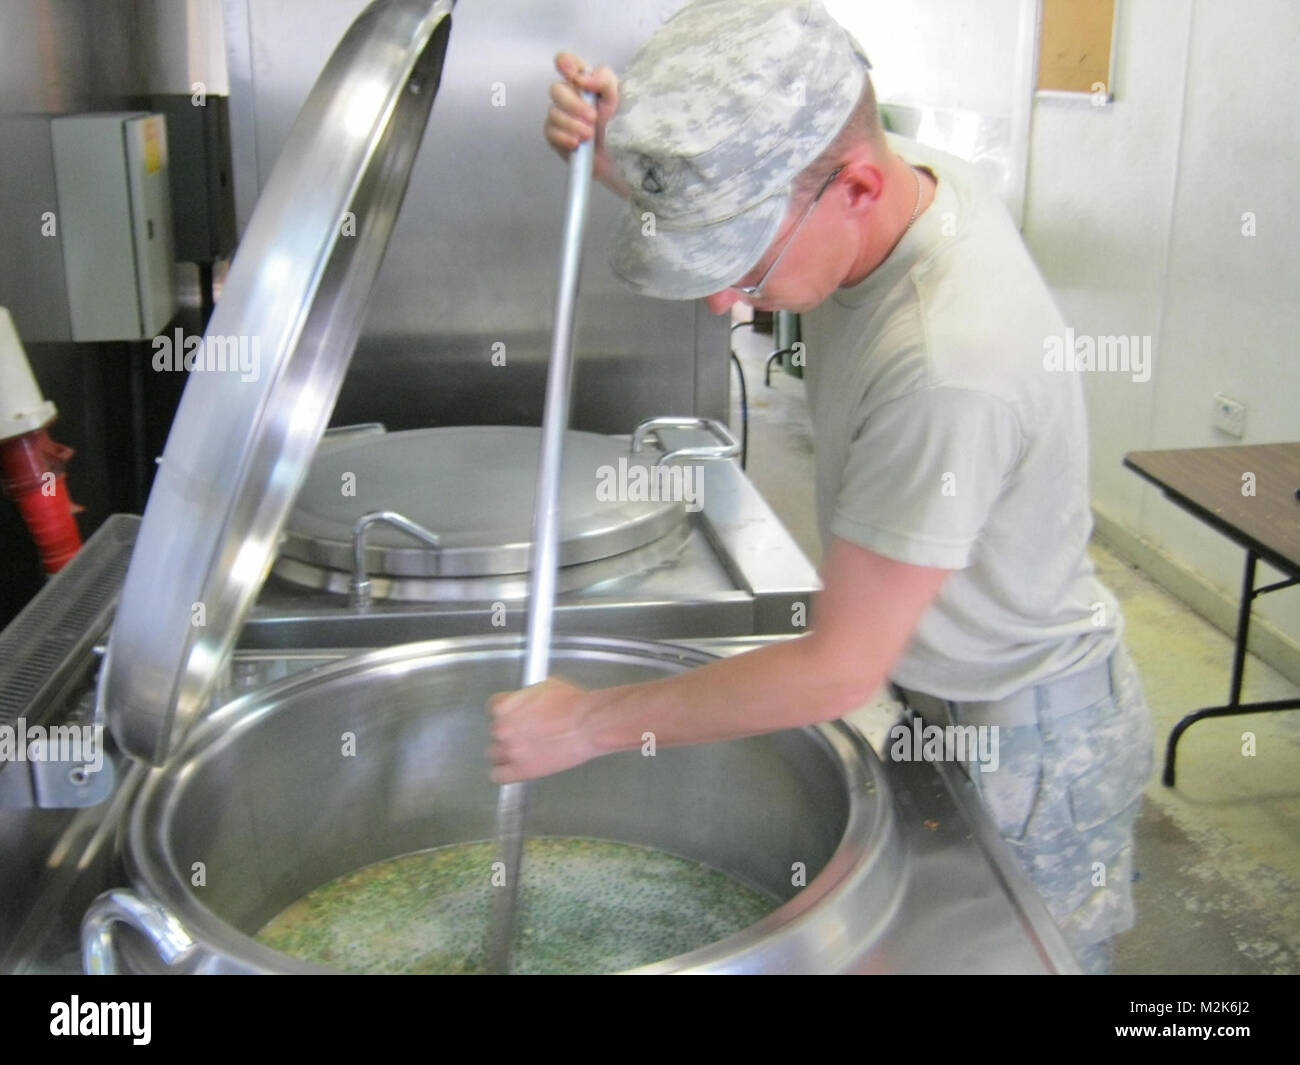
(1075,45)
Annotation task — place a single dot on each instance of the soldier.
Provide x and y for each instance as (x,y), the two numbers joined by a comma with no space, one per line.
(952,463)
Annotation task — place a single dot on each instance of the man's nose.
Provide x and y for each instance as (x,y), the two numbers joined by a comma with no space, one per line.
(722,302)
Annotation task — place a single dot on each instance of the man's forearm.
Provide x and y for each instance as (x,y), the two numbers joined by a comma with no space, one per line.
(862,621)
(785,685)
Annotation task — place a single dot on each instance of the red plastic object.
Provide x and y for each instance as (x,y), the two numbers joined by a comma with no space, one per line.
(31,473)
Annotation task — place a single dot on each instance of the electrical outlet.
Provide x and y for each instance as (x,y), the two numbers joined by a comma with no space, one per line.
(1229,416)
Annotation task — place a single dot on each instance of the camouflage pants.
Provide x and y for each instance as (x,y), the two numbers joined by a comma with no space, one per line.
(1065,797)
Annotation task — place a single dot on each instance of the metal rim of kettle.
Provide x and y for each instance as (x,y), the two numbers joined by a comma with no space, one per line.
(163,907)
(439,550)
(479,523)
(507,587)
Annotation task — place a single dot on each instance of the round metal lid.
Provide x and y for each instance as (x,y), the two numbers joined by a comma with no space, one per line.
(274,357)
(473,487)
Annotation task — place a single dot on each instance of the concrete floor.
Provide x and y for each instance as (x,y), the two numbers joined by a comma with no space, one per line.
(1218,856)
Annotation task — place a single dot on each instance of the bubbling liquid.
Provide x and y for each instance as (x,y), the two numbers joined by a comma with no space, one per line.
(585,906)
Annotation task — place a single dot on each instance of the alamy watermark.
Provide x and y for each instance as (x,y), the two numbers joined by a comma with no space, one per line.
(1097,354)
(54,743)
(79,1018)
(635,483)
(919,742)
(211,354)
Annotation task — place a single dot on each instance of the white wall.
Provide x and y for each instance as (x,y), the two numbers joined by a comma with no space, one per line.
(969,60)
(1134,212)
(944,53)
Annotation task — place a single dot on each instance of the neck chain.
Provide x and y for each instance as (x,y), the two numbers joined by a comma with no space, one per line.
(917,209)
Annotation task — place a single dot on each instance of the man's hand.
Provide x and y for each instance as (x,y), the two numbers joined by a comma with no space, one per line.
(538,730)
(571,120)
(862,621)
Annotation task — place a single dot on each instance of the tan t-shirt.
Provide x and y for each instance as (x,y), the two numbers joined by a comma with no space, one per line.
(942,439)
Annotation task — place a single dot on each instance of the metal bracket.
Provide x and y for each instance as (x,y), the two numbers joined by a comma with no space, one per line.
(58,783)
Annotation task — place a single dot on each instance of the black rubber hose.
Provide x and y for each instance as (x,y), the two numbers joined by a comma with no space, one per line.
(744,411)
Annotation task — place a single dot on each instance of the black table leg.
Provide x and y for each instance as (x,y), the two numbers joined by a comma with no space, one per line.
(1243,628)
(1248,594)
(1238,667)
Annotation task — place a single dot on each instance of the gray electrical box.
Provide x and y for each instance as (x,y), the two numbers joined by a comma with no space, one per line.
(87,209)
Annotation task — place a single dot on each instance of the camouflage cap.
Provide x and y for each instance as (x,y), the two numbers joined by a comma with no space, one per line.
(719,112)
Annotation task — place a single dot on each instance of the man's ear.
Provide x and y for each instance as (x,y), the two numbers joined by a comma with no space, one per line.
(863,183)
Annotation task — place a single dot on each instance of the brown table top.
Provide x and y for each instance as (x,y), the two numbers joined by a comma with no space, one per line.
(1208,481)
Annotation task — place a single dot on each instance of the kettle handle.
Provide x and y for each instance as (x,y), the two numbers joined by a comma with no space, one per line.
(121,905)
(727,446)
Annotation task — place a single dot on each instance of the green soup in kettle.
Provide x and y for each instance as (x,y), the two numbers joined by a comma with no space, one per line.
(585,906)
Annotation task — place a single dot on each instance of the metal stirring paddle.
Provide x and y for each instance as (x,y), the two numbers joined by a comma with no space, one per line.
(513,798)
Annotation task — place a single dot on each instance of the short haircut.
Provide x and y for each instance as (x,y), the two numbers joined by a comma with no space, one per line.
(863,127)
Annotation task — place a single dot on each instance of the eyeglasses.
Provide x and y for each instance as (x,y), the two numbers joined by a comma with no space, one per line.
(753,290)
